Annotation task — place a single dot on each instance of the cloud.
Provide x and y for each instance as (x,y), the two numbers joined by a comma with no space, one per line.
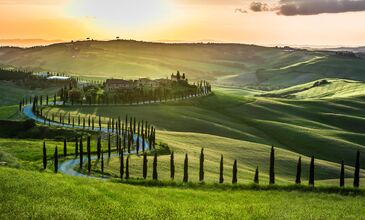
(310,7)
(259,6)
(240,10)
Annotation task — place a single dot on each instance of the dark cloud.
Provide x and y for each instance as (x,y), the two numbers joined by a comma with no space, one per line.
(259,6)
(240,10)
(310,7)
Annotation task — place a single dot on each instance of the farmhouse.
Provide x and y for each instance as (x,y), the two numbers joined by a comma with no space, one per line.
(116,84)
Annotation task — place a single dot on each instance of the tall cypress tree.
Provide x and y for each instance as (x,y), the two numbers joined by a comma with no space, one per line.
(172,166)
(64,147)
(357,170)
(201,167)
(221,179)
(109,148)
(311,172)
(272,164)
(342,175)
(186,167)
(145,162)
(56,159)
(299,171)
(44,155)
(127,168)
(81,153)
(98,147)
(154,173)
(256,178)
(121,168)
(234,172)
(102,163)
(76,147)
(88,155)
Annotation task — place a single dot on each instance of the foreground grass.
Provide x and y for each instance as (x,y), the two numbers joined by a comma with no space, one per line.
(58,196)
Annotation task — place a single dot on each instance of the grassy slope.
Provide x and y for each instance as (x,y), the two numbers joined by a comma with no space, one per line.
(12,94)
(54,196)
(330,130)
(226,63)
(337,88)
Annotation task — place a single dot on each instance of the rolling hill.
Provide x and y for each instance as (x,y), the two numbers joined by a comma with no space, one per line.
(224,64)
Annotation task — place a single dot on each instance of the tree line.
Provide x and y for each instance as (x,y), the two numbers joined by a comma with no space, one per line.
(125,171)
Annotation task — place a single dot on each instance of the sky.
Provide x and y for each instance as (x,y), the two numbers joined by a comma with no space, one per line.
(266,22)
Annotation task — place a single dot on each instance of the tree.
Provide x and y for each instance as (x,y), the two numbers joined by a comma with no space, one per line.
(98,147)
(102,163)
(88,155)
(234,174)
(56,159)
(201,170)
(109,148)
(311,172)
(145,162)
(342,175)
(65,147)
(221,179)
(272,168)
(256,178)
(127,168)
(357,170)
(186,172)
(172,166)
(121,170)
(154,173)
(44,155)
(299,171)
(76,147)
(81,153)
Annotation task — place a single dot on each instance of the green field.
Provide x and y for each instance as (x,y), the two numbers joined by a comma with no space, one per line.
(59,196)
(224,64)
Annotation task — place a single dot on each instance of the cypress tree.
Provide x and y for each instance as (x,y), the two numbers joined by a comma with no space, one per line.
(98,147)
(299,171)
(127,168)
(81,153)
(76,147)
(109,141)
(311,172)
(99,122)
(102,163)
(154,173)
(88,155)
(44,155)
(201,167)
(256,178)
(221,179)
(56,159)
(121,168)
(65,147)
(272,164)
(172,166)
(145,162)
(234,174)
(109,148)
(186,172)
(357,170)
(342,175)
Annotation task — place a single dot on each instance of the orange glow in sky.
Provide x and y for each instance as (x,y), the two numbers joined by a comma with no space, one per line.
(174,20)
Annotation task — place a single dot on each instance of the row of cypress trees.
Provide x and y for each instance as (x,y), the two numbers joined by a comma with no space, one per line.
(125,167)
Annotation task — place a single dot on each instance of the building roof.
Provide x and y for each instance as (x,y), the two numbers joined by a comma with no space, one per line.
(58,78)
(117,81)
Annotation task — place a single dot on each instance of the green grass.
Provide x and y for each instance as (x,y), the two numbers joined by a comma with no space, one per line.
(55,196)
(240,126)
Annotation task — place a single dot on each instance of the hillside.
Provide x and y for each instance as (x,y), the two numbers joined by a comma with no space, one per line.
(60,196)
(321,89)
(228,64)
